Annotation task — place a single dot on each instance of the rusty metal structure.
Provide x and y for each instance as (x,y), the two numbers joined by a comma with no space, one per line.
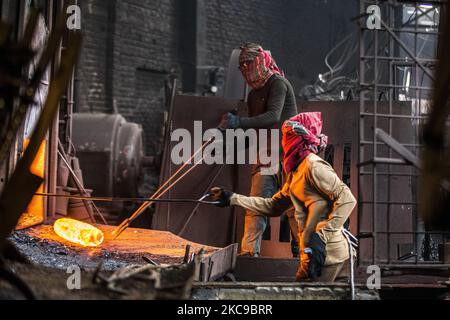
(30,101)
(112,156)
(119,145)
(397,63)
(15,13)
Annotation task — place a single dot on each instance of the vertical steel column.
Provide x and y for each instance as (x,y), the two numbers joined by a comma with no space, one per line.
(391,22)
(47,206)
(362,76)
(55,8)
(374,147)
(417,105)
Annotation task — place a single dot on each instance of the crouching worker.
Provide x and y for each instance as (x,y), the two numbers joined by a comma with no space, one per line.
(321,200)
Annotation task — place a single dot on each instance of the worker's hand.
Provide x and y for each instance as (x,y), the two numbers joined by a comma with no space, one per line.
(312,259)
(221,195)
(318,256)
(229,121)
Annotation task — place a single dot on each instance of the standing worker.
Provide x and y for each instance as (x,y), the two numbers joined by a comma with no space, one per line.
(270,102)
(321,200)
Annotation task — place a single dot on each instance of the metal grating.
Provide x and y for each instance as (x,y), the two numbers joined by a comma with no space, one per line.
(396,70)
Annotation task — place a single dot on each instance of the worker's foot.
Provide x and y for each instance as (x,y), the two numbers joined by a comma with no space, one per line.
(248,254)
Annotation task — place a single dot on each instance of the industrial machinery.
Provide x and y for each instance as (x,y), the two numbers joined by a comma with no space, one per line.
(111,155)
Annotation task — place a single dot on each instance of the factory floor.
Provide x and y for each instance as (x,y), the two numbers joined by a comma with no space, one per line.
(47,260)
(42,246)
(50,283)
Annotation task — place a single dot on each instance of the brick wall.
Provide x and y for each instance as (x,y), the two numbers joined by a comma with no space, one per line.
(131,47)
(92,70)
(129,51)
(231,23)
(145,53)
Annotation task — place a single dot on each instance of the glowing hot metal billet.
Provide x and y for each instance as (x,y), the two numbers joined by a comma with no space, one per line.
(78,232)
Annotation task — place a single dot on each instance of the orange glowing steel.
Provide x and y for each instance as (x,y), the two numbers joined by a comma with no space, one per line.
(78,232)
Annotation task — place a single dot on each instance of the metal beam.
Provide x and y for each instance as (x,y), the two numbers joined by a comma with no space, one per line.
(398,147)
(404,47)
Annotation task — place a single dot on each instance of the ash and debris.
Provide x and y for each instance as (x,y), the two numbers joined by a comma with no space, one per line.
(53,254)
(42,263)
(49,284)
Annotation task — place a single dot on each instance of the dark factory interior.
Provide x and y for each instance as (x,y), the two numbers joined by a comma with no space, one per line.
(95,95)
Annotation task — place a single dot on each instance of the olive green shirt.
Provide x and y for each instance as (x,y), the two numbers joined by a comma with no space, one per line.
(271,105)
(268,108)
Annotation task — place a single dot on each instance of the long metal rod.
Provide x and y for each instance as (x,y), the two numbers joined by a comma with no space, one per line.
(416,221)
(374,150)
(403,203)
(400,174)
(403,2)
(80,186)
(393,116)
(387,85)
(391,48)
(410,31)
(149,202)
(441,233)
(361,136)
(167,142)
(382,143)
(404,47)
(124,199)
(161,191)
(352,271)
(188,220)
(126,223)
(400,59)
(54,129)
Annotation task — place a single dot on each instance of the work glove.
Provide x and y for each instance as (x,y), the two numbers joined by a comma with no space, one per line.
(221,195)
(230,121)
(312,259)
